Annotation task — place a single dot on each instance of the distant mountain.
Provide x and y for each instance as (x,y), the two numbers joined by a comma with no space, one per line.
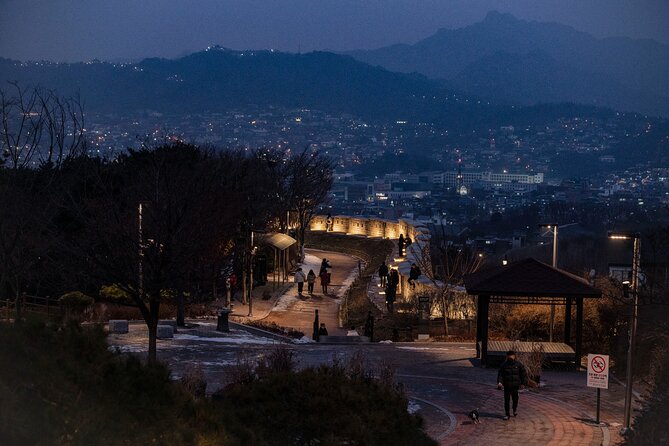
(536,77)
(618,72)
(220,80)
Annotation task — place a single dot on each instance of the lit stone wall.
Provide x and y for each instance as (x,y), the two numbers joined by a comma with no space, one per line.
(370,227)
(417,252)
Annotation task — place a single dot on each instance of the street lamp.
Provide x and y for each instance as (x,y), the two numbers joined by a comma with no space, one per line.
(634,316)
(552,227)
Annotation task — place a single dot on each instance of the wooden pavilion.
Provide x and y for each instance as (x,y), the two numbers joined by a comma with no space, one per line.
(529,282)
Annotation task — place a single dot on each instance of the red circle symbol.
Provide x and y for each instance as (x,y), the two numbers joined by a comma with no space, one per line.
(598,364)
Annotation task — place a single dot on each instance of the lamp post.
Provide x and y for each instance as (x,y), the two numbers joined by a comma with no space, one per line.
(636,237)
(552,227)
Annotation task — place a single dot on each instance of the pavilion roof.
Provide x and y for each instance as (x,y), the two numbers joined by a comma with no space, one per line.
(528,278)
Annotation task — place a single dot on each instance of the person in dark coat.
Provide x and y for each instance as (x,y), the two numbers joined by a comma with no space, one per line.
(400,245)
(369,327)
(322,331)
(414,274)
(512,374)
(391,290)
(383,273)
(311,279)
(325,281)
(324,266)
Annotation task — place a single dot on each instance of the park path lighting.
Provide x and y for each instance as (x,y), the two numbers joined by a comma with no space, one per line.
(636,237)
(553,228)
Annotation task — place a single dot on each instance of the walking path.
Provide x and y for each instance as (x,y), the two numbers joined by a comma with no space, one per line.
(375,292)
(298,312)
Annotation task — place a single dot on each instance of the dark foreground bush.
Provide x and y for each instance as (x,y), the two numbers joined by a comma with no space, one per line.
(64,387)
(327,405)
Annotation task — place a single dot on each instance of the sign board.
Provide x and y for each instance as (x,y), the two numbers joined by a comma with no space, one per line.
(598,371)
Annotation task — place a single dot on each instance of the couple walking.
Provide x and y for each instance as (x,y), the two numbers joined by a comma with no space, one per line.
(310,278)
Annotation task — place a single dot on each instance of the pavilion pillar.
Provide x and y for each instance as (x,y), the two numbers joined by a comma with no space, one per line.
(579,332)
(484,301)
(567,321)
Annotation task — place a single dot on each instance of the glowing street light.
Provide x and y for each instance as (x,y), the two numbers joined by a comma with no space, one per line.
(636,237)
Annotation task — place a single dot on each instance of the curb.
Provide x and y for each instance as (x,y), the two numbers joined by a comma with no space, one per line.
(260,332)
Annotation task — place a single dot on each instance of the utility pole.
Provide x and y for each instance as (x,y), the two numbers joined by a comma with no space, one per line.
(634,319)
(140,238)
(553,227)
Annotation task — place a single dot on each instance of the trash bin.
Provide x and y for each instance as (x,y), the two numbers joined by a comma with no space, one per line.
(222,324)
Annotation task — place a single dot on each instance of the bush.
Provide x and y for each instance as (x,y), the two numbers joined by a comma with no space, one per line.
(114,293)
(62,386)
(75,301)
(194,382)
(74,304)
(327,405)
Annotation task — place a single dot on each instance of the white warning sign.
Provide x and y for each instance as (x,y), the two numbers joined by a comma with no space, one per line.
(598,371)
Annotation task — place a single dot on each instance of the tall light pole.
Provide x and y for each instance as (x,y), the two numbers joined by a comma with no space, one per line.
(636,260)
(140,239)
(552,227)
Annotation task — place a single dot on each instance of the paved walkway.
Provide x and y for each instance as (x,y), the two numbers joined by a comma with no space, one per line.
(376,292)
(298,312)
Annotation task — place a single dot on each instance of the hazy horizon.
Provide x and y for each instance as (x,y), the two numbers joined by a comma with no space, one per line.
(123,29)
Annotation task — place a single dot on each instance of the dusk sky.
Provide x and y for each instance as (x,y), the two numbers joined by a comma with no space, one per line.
(76,30)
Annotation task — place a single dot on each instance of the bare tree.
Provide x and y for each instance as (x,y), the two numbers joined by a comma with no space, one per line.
(308,180)
(446,269)
(29,182)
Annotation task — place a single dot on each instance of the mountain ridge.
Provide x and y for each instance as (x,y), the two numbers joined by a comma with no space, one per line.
(631,64)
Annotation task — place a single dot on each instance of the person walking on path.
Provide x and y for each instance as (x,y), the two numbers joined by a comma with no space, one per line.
(311,279)
(369,327)
(400,245)
(512,374)
(325,281)
(383,273)
(414,274)
(391,290)
(314,335)
(324,266)
(299,280)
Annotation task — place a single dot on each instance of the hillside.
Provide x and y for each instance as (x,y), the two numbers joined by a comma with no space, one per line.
(629,70)
(220,80)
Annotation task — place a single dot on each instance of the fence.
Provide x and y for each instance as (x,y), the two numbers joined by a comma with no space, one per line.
(33,305)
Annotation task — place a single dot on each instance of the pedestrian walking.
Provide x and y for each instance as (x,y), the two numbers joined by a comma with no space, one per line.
(400,245)
(325,281)
(391,290)
(414,274)
(383,273)
(324,266)
(369,327)
(328,223)
(311,279)
(300,278)
(512,374)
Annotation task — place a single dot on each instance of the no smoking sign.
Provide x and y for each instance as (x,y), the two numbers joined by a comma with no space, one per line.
(598,371)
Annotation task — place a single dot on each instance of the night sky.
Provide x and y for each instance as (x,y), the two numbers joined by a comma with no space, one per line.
(74,30)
